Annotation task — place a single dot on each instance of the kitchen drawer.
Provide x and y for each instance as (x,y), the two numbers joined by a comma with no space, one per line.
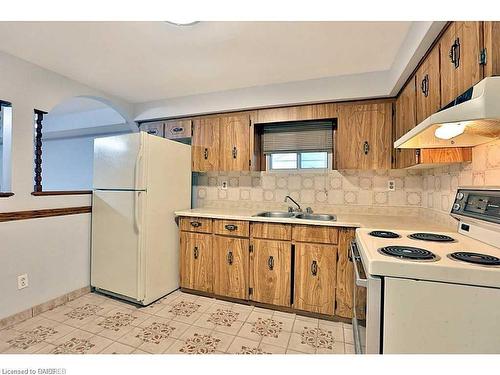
(272,231)
(175,129)
(235,228)
(154,128)
(315,233)
(196,224)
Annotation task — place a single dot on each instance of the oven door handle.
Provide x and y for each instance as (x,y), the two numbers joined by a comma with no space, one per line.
(357,258)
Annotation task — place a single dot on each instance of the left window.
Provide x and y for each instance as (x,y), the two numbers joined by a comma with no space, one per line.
(5,145)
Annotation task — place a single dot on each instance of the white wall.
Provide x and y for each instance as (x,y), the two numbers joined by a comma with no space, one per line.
(67,163)
(54,251)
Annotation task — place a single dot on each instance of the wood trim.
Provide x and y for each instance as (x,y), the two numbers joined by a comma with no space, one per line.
(60,192)
(6,195)
(50,212)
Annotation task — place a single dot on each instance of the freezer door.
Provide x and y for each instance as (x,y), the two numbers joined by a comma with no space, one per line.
(117,242)
(119,162)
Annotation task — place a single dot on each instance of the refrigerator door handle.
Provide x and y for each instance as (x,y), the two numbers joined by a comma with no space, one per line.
(137,211)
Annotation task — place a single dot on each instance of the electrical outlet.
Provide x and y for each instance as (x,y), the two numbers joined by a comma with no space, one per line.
(22,281)
(391,185)
(223,185)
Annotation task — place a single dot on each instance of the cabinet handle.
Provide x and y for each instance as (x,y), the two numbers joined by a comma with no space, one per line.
(205,153)
(366,147)
(231,227)
(235,152)
(455,53)
(270,263)
(195,224)
(196,252)
(425,85)
(314,268)
(177,130)
(229,257)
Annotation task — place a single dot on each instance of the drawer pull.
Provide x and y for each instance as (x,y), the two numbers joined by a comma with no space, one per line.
(177,130)
(205,153)
(314,268)
(235,152)
(270,263)
(196,252)
(230,257)
(195,224)
(366,147)
(231,227)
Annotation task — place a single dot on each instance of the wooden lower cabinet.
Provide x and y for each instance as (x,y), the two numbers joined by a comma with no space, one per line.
(345,275)
(196,261)
(315,277)
(230,266)
(270,272)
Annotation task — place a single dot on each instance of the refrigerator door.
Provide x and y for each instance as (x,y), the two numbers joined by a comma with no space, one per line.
(119,162)
(117,242)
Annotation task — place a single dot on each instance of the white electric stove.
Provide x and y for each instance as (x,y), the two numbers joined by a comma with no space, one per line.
(436,292)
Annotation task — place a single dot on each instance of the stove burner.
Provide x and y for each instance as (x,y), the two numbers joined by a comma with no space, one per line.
(431,237)
(475,258)
(408,252)
(384,234)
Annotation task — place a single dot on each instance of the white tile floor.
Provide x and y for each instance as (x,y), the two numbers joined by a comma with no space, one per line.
(179,323)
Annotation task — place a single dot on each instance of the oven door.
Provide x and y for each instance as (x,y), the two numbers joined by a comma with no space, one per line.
(367,298)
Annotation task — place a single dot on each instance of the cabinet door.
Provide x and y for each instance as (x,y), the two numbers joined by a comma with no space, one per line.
(459,51)
(405,121)
(178,129)
(235,143)
(365,136)
(270,272)
(315,276)
(231,266)
(196,261)
(491,33)
(205,144)
(345,284)
(428,86)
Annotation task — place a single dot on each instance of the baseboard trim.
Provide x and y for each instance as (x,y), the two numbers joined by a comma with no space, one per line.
(42,307)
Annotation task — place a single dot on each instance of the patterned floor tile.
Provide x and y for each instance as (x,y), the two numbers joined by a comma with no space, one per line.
(58,314)
(233,329)
(224,340)
(204,322)
(284,315)
(256,315)
(280,341)
(348,335)
(200,343)
(272,349)
(117,348)
(349,348)
(80,342)
(336,348)
(335,328)
(296,344)
(300,324)
(248,332)
(5,336)
(241,345)
(29,341)
(290,351)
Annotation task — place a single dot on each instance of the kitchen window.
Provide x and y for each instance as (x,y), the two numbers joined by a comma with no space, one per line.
(298,160)
(5,147)
(298,145)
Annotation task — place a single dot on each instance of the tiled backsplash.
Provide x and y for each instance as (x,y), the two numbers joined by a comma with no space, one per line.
(429,191)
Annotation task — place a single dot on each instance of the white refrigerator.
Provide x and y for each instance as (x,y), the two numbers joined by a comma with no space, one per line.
(140,180)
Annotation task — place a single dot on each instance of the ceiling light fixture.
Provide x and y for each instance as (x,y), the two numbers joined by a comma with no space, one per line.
(182,22)
(449,130)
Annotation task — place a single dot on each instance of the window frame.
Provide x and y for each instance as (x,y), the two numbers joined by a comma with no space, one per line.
(269,163)
(5,191)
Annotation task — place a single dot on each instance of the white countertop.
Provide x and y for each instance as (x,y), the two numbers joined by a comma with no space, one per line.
(444,269)
(343,220)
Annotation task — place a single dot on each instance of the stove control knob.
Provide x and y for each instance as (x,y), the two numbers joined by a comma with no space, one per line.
(456,207)
(460,196)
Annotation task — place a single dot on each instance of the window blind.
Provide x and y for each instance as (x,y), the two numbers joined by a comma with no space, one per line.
(297,137)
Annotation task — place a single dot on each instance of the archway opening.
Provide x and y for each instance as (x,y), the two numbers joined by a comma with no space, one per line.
(67,142)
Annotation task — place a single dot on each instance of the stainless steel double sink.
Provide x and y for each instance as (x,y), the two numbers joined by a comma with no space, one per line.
(296,215)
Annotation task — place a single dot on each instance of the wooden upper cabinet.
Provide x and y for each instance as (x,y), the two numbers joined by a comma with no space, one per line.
(365,136)
(428,86)
(297,113)
(270,272)
(459,47)
(405,121)
(178,129)
(315,277)
(205,144)
(235,143)
(491,43)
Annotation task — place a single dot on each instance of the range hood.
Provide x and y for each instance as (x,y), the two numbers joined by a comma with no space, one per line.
(471,119)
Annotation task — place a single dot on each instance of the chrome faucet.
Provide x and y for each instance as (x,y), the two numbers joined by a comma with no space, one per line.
(291,209)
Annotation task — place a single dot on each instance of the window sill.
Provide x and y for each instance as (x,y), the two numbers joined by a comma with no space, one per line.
(61,192)
(6,195)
